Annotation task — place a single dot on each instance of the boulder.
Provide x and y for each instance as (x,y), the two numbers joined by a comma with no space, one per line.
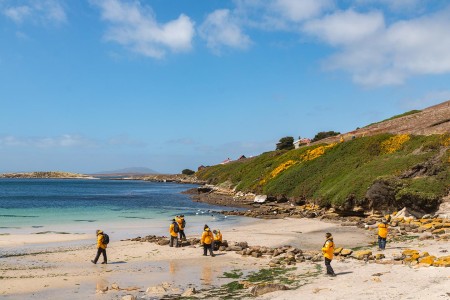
(260,198)
(156,290)
(438,231)
(428,260)
(102,286)
(256,254)
(346,252)
(243,245)
(265,288)
(379,256)
(337,251)
(163,242)
(273,265)
(410,252)
(234,248)
(129,297)
(189,292)
(441,263)
(362,254)
(317,258)
(398,257)
(115,286)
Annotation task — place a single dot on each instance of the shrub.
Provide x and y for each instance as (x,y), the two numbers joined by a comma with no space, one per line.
(187,172)
(286,143)
(324,134)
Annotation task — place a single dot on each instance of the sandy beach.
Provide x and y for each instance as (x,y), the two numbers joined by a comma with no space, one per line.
(65,272)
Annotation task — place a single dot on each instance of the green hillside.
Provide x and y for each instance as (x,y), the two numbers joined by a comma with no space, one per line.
(380,171)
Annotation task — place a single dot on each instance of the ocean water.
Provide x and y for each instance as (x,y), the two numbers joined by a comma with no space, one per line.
(126,208)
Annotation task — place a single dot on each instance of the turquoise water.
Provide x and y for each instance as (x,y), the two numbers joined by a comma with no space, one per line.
(124,207)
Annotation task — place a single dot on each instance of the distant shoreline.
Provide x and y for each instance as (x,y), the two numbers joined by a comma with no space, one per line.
(45,175)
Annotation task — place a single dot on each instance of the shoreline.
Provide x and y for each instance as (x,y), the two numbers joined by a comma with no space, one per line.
(141,266)
(50,265)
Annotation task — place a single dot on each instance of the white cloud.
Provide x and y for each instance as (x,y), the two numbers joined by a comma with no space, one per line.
(63,141)
(279,14)
(135,27)
(17,14)
(34,11)
(297,11)
(347,27)
(220,29)
(376,54)
(395,5)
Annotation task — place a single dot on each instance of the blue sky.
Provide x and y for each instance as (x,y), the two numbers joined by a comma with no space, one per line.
(94,85)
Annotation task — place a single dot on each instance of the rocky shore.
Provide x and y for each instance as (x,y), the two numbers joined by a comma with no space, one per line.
(270,207)
(288,265)
(282,260)
(175,178)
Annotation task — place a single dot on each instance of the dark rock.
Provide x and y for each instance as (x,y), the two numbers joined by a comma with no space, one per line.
(256,254)
(163,242)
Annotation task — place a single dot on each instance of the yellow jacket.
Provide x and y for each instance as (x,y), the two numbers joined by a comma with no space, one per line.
(383,230)
(180,223)
(218,236)
(328,248)
(172,231)
(100,240)
(207,237)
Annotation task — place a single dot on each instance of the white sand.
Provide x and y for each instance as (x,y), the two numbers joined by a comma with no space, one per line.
(69,274)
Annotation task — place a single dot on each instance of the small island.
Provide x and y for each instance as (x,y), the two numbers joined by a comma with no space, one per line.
(46,175)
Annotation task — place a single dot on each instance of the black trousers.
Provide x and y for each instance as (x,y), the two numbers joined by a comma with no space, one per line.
(328,265)
(216,245)
(182,235)
(207,247)
(101,251)
(172,240)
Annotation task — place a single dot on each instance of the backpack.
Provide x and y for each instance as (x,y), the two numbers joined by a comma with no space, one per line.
(105,239)
(176,228)
(183,223)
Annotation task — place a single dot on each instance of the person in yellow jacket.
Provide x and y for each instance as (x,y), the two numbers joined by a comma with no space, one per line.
(173,230)
(181,224)
(217,239)
(101,248)
(382,232)
(328,251)
(207,241)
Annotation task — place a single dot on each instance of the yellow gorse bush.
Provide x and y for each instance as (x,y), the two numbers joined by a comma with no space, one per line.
(394,143)
(283,167)
(308,156)
(316,152)
(446,141)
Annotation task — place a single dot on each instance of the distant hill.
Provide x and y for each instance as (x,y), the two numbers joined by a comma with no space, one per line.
(128,171)
(398,162)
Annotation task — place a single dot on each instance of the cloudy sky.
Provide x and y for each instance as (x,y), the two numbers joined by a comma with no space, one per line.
(94,85)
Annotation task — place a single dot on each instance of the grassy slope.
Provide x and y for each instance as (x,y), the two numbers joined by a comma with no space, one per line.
(348,169)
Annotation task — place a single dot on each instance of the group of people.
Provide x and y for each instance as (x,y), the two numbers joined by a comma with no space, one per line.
(211,241)
(176,230)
